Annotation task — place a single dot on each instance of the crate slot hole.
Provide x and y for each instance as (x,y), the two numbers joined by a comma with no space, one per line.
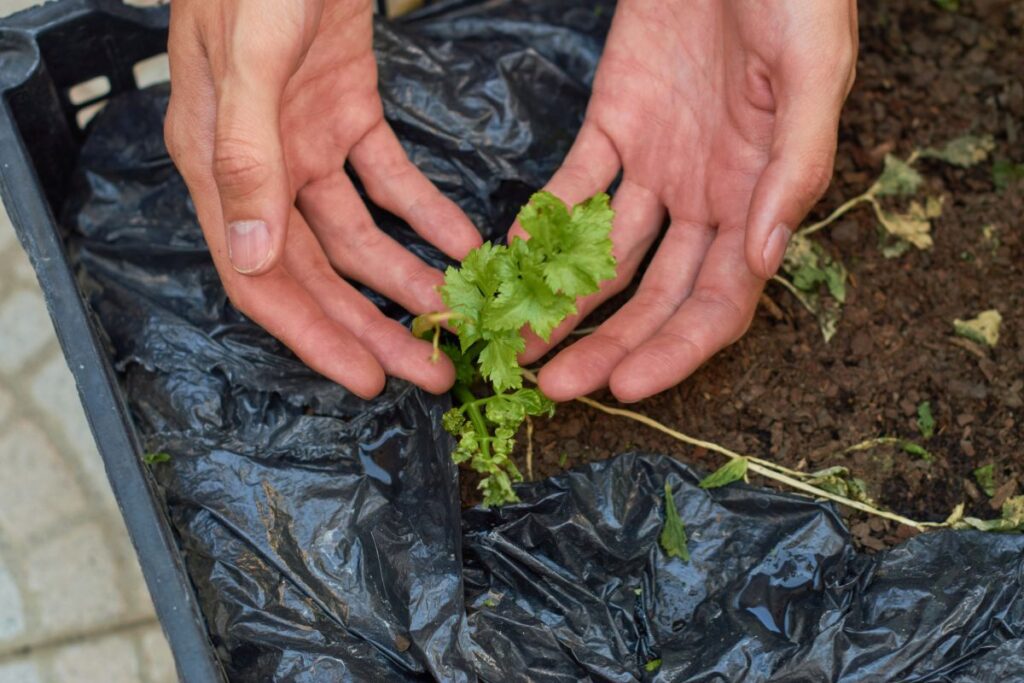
(86,113)
(91,89)
(155,69)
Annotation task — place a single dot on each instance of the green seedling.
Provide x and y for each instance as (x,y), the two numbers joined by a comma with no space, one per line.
(496,292)
(986,478)
(925,420)
(155,458)
(652,666)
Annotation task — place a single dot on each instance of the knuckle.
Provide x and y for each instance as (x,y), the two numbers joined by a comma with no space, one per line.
(238,168)
(732,319)
(664,355)
(375,331)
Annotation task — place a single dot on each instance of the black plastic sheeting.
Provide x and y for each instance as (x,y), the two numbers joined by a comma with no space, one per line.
(324,534)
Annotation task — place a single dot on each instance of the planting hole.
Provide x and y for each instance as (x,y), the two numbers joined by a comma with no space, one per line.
(86,113)
(89,90)
(152,70)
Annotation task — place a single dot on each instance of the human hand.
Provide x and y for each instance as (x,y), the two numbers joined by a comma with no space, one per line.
(268,101)
(722,113)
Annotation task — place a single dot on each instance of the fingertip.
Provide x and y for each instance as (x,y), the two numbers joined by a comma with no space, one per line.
(580,369)
(516,231)
(627,388)
(439,378)
(466,237)
(367,382)
(535,347)
(550,383)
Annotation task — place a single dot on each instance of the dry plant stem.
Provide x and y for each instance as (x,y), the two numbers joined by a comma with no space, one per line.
(867,196)
(795,292)
(755,465)
(838,213)
(765,468)
(872,443)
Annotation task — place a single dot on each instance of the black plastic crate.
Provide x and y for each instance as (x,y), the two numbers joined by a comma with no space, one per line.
(44,53)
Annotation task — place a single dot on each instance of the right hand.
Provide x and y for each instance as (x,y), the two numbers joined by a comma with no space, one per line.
(269,99)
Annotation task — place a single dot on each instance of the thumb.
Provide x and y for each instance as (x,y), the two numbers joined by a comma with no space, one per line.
(797,175)
(249,170)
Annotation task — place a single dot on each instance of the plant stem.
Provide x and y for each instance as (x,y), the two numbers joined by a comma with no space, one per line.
(835,215)
(765,468)
(800,296)
(468,401)
(529,448)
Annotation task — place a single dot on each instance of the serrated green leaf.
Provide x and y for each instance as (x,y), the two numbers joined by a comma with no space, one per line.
(583,260)
(925,420)
(544,218)
(734,470)
(528,300)
(982,329)
(986,478)
(468,447)
(498,360)
(673,533)
(898,178)
(454,422)
(965,151)
(465,370)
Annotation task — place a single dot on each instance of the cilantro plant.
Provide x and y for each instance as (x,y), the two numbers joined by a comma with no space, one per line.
(496,292)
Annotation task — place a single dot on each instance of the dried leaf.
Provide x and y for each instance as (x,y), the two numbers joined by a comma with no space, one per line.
(956,515)
(964,151)
(914,226)
(810,266)
(1011,519)
(838,480)
(898,178)
(983,329)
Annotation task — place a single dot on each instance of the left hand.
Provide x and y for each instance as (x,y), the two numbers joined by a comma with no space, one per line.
(724,114)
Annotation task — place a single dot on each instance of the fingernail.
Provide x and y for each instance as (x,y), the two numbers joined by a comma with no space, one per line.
(775,248)
(248,245)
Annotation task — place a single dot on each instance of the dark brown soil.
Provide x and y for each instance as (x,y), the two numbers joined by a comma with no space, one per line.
(925,76)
